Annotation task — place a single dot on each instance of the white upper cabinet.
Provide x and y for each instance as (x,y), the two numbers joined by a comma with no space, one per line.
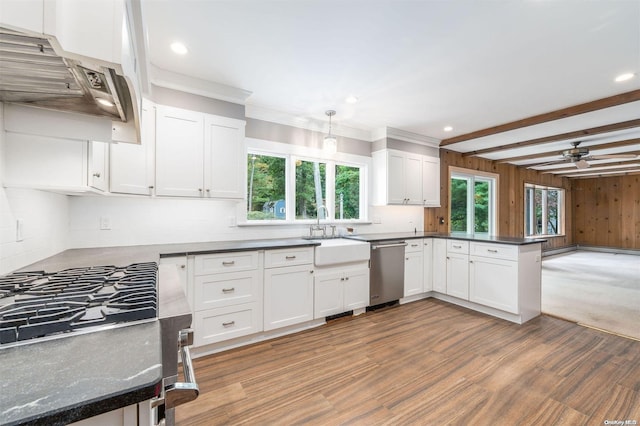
(132,166)
(225,167)
(405,178)
(179,152)
(198,155)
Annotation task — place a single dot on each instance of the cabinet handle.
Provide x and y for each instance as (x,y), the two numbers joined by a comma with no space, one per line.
(492,251)
(228,290)
(228,323)
(347,279)
(414,245)
(208,191)
(311,271)
(448,258)
(228,262)
(96,175)
(151,187)
(455,246)
(342,279)
(200,189)
(471,261)
(183,266)
(290,257)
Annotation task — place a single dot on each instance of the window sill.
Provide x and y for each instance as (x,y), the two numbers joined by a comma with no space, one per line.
(546,236)
(303,223)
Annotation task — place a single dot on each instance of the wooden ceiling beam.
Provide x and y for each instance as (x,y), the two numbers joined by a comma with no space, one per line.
(611,101)
(594,176)
(612,169)
(616,144)
(559,170)
(555,138)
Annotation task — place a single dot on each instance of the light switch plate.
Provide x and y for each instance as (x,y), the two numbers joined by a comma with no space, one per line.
(19,230)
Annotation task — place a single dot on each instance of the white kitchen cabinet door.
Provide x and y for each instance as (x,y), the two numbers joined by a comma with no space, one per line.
(427,264)
(413,179)
(439,265)
(458,275)
(179,152)
(224,154)
(22,14)
(395,178)
(288,296)
(219,290)
(431,181)
(494,282)
(98,165)
(132,165)
(328,294)
(356,289)
(413,270)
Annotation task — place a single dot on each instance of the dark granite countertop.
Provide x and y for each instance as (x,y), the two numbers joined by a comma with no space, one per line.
(69,378)
(467,237)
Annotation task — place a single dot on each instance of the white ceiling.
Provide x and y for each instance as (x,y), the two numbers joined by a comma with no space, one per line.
(414,65)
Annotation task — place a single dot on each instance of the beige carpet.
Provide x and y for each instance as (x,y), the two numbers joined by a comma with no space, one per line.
(600,290)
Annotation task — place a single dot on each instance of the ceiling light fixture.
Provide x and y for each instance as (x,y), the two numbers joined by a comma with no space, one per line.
(448,128)
(624,77)
(179,48)
(351,99)
(330,142)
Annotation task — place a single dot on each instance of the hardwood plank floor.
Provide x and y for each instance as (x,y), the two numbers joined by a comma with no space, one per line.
(423,363)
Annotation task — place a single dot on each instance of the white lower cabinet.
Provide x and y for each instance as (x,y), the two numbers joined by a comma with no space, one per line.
(413,268)
(427,264)
(458,269)
(227,296)
(494,282)
(439,275)
(341,289)
(288,290)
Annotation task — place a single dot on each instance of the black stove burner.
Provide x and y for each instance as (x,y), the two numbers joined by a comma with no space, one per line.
(35,304)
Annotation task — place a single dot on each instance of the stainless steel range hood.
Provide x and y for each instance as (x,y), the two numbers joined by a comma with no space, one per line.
(33,73)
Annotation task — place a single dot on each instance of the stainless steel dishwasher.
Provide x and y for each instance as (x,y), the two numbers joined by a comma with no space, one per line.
(386,282)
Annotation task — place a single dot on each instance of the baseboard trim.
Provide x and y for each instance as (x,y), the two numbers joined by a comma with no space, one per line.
(560,250)
(608,250)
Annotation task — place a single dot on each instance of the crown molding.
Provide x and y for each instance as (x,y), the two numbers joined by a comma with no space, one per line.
(197,86)
(403,135)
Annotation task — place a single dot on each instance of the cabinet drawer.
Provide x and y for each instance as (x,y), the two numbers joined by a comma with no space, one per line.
(496,251)
(413,245)
(216,325)
(458,246)
(288,257)
(225,262)
(218,290)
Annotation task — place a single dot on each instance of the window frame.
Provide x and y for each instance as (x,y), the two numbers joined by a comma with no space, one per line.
(292,153)
(494,193)
(530,220)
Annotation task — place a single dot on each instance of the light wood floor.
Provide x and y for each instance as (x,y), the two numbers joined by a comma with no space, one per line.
(424,363)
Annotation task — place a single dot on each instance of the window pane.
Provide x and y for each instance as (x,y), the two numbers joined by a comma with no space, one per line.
(529,209)
(458,205)
(481,206)
(266,185)
(347,192)
(552,212)
(310,189)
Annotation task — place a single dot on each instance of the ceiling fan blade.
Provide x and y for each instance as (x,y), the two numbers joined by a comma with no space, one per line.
(581,164)
(605,156)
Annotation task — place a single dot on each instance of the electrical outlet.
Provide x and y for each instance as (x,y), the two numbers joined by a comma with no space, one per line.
(105,223)
(231,220)
(19,229)
(377,220)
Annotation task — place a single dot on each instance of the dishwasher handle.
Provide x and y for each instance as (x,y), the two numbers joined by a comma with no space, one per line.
(381,246)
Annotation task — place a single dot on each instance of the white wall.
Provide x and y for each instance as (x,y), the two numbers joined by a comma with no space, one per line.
(136,221)
(45,219)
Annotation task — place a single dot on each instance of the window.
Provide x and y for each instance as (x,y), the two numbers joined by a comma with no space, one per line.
(266,187)
(473,202)
(543,210)
(287,188)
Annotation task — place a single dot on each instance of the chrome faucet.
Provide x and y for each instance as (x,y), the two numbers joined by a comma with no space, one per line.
(317,227)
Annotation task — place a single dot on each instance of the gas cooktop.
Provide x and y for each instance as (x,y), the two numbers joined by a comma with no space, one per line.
(37,304)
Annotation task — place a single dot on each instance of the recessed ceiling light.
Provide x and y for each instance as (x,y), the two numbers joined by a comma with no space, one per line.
(448,129)
(625,77)
(351,99)
(105,102)
(179,48)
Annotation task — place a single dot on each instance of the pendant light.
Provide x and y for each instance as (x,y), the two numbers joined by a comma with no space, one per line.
(330,141)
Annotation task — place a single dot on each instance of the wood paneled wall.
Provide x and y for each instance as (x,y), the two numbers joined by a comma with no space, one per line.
(511,196)
(606,212)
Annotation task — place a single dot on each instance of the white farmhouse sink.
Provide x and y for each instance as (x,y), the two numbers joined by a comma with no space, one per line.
(340,250)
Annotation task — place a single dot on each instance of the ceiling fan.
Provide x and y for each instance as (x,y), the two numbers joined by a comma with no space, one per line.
(579,155)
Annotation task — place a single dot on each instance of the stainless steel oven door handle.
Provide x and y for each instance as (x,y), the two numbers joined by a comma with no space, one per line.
(182,392)
(381,246)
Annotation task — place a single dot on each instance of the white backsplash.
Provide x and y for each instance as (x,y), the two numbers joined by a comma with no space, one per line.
(135,221)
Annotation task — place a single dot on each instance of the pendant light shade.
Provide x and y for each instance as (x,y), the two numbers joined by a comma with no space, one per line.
(330,142)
